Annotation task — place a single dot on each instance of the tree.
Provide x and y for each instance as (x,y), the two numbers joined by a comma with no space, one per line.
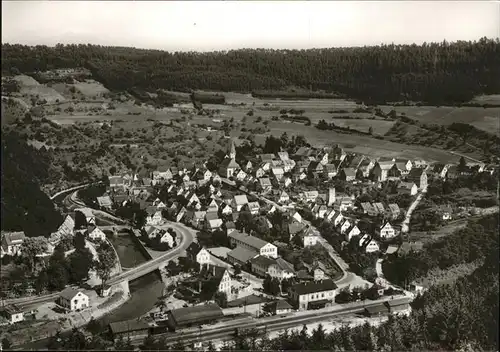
(297,241)
(462,165)
(274,288)
(41,282)
(80,262)
(76,340)
(79,241)
(31,247)
(105,263)
(6,343)
(59,276)
(266,284)
(149,344)
(221,299)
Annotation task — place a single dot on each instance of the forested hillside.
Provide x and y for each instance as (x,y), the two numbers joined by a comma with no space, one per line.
(464,246)
(436,73)
(25,207)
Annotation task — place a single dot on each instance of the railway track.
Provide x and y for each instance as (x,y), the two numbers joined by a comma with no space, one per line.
(271,324)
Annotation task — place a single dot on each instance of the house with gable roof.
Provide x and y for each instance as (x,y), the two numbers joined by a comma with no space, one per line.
(218,275)
(275,267)
(12,243)
(393,211)
(254,244)
(239,201)
(73,299)
(228,168)
(253,207)
(95,233)
(153,216)
(351,232)
(310,295)
(380,171)
(348,174)
(407,188)
(212,221)
(386,231)
(419,177)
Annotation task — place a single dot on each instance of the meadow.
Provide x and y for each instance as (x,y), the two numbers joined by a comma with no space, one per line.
(89,101)
(484,119)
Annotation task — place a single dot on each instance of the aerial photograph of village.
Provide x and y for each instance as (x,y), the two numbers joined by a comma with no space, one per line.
(244,176)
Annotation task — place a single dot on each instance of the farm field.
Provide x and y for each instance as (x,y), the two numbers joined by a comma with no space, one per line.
(484,119)
(362,144)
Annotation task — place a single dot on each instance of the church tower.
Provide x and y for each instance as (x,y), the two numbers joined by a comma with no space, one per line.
(232,150)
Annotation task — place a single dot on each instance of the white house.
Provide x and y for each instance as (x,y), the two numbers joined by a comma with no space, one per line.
(213,206)
(153,216)
(313,294)
(297,216)
(284,198)
(73,299)
(345,226)
(159,204)
(253,207)
(407,188)
(309,237)
(337,218)
(13,314)
(275,267)
(227,210)
(241,175)
(95,233)
(351,232)
(386,231)
(203,257)
(167,238)
(254,244)
(12,242)
(278,173)
(310,196)
(370,246)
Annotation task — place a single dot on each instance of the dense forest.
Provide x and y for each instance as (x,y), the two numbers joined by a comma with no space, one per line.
(435,73)
(25,207)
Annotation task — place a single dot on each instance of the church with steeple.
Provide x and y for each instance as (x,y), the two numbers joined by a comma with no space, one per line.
(229,165)
(231,150)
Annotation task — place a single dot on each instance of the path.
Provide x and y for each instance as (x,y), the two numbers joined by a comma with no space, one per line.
(406,222)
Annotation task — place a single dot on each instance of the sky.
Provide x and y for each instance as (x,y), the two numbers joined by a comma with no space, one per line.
(225,25)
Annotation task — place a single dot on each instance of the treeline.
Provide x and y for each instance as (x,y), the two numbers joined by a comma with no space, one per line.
(325,126)
(436,73)
(463,246)
(305,95)
(25,207)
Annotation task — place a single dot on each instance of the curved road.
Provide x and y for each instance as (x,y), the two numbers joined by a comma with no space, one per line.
(187,235)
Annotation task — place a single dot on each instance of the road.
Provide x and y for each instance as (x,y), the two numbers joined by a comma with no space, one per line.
(187,236)
(406,222)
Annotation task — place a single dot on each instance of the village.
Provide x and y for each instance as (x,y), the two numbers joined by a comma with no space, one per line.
(273,234)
